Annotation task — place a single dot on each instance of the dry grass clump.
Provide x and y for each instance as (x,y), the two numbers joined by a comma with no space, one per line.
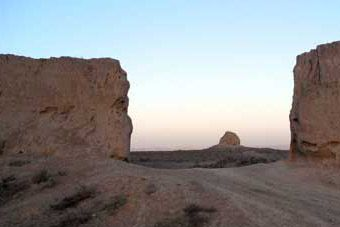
(115,203)
(41,177)
(9,187)
(73,200)
(44,178)
(73,220)
(234,161)
(19,163)
(193,209)
(193,216)
(2,146)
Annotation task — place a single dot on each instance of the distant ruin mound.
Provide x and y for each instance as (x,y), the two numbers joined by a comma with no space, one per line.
(315,113)
(64,105)
(229,139)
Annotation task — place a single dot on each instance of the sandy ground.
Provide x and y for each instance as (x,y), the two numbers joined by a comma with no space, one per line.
(122,194)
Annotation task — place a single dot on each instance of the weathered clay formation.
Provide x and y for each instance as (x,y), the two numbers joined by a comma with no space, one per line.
(315,113)
(229,139)
(64,106)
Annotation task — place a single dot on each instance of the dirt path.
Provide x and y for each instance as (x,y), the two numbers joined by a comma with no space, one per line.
(275,195)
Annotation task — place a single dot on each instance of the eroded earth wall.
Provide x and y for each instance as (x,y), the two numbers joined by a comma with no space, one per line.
(64,106)
(315,113)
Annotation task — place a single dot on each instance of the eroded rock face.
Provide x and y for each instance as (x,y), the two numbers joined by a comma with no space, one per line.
(63,106)
(315,113)
(229,139)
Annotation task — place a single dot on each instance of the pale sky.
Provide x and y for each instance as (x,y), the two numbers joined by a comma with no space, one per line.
(197,68)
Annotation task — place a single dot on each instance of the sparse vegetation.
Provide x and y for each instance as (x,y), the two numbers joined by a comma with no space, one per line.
(73,220)
(2,146)
(235,161)
(9,187)
(193,216)
(173,222)
(115,203)
(41,177)
(124,159)
(19,163)
(194,209)
(207,158)
(49,184)
(62,173)
(73,200)
(144,159)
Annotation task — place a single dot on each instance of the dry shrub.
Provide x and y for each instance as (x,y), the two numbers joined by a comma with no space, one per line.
(83,193)
(9,187)
(115,203)
(193,216)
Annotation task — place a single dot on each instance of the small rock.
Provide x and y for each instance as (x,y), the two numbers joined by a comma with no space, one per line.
(150,189)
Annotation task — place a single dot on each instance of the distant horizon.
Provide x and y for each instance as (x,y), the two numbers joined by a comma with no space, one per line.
(196,68)
(278,147)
